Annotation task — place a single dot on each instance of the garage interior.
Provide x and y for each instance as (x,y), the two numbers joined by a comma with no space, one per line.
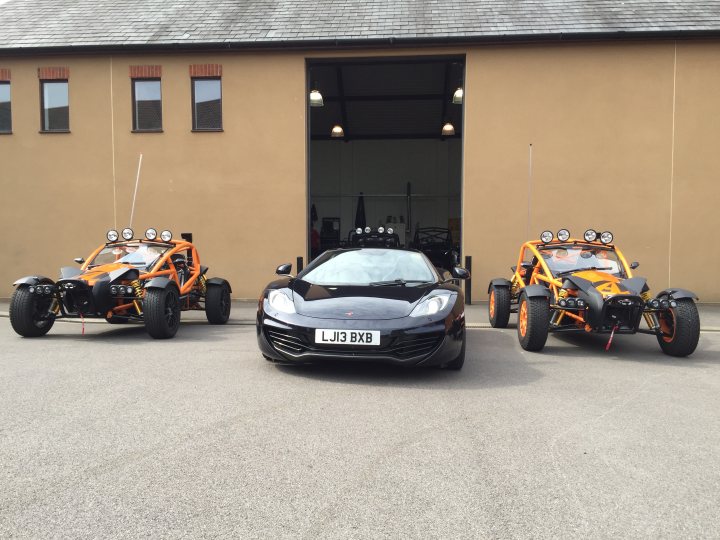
(385,148)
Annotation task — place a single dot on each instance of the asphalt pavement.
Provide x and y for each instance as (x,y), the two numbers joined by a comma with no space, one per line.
(113,434)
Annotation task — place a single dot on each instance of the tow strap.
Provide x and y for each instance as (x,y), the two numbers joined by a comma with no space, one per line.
(612,334)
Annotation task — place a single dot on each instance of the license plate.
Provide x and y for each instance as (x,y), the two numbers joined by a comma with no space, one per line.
(347,337)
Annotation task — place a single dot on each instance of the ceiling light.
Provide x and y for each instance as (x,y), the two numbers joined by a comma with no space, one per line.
(448,129)
(458,96)
(337,131)
(316,99)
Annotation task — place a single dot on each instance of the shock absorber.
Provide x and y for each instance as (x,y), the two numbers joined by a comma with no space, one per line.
(558,315)
(138,294)
(203,283)
(650,318)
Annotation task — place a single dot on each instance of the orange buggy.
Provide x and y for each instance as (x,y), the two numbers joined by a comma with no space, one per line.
(150,280)
(562,284)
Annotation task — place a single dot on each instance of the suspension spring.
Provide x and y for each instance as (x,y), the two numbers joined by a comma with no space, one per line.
(138,288)
(203,284)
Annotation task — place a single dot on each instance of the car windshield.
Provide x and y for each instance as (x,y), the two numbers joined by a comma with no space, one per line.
(573,258)
(369,266)
(136,253)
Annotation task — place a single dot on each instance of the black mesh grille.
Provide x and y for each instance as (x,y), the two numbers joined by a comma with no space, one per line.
(401,347)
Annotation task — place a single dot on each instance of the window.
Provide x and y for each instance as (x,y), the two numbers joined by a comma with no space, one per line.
(55,106)
(5,116)
(147,105)
(206,104)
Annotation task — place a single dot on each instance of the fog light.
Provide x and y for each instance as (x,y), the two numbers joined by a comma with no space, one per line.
(114,290)
(367,230)
(665,304)
(546,237)
(358,231)
(127,234)
(31,289)
(606,237)
(166,236)
(654,303)
(563,235)
(571,302)
(151,234)
(112,236)
(381,230)
(129,290)
(562,303)
(390,230)
(590,235)
(673,303)
(581,303)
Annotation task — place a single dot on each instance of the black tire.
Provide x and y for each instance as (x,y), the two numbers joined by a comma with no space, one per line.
(533,332)
(499,306)
(457,364)
(162,312)
(217,303)
(29,315)
(681,328)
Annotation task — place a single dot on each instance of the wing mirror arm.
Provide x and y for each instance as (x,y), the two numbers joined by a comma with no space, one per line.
(79,260)
(634,265)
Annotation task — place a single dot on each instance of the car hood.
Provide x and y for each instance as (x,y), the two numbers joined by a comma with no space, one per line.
(354,302)
(607,284)
(103,272)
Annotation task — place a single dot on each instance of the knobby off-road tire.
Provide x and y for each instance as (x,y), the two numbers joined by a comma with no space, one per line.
(499,307)
(27,311)
(681,328)
(459,361)
(217,304)
(161,309)
(533,322)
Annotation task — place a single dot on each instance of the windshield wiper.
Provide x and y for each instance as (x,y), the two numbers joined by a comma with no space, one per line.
(401,282)
(582,269)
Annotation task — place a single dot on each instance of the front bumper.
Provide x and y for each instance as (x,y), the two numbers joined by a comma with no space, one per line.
(405,341)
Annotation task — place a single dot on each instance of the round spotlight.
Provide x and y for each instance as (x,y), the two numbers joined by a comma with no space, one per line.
(590,235)
(581,303)
(151,234)
(129,290)
(606,237)
(112,236)
(546,237)
(390,230)
(571,302)
(166,236)
(114,290)
(381,230)
(665,304)
(47,289)
(31,289)
(562,303)
(563,235)
(127,234)
(367,229)
(654,303)
(673,303)
(358,231)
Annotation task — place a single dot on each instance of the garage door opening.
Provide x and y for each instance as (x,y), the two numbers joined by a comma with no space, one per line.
(385,150)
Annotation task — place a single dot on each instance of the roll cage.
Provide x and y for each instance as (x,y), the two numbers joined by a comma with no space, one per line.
(539,271)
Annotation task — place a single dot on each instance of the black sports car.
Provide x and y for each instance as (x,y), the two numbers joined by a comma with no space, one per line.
(381,304)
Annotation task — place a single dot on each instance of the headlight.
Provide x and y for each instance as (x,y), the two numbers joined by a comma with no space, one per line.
(390,230)
(546,237)
(606,237)
(280,301)
(367,230)
(563,235)
(112,236)
(151,234)
(358,231)
(381,230)
(166,236)
(431,306)
(590,235)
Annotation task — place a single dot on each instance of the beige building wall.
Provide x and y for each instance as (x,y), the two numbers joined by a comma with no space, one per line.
(622,138)
(241,192)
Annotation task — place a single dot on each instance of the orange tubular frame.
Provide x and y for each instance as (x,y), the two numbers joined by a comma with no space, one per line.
(157,269)
(541,274)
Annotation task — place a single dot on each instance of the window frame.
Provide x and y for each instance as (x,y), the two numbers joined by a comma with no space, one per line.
(135,129)
(43,127)
(194,127)
(10,130)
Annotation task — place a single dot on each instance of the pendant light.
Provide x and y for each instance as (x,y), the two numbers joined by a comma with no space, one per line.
(337,131)
(457,98)
(316,99)
(448,129)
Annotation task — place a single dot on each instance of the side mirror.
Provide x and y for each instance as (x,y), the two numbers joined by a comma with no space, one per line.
(460,273)
(634,265)
(284,269)
(79,260)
